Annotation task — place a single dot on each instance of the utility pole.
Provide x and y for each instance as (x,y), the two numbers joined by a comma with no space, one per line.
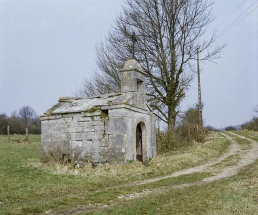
(199,90)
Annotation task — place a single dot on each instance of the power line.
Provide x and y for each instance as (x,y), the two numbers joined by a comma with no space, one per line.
(236,21)
(247,14)
(239,21)
(232,24)
(229,15)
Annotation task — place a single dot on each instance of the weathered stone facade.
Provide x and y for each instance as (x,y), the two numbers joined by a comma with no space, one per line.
(113,128)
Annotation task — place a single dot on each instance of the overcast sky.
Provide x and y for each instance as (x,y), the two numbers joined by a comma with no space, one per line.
(47,48)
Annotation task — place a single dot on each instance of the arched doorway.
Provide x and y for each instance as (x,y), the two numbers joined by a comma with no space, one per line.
(139,143)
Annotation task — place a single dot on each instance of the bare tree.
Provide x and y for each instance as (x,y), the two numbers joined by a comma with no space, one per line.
(27,115)
(99,84)
(168,33)
(256,109)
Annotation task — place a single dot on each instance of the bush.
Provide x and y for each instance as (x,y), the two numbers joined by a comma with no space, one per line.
(192,132)
(251,125)
(167,141)
(185,133)
(183,136)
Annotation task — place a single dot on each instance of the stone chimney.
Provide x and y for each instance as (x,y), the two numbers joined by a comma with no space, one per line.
(133,81)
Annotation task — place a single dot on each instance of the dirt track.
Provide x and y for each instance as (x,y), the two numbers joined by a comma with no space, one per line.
(245,158)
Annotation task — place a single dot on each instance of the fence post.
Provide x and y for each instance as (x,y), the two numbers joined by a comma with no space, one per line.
(8,133)
(27,134)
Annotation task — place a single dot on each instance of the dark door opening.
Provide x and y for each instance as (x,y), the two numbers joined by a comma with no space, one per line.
(139,143)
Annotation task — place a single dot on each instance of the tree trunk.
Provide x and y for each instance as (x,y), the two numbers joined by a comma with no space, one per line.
(171,118)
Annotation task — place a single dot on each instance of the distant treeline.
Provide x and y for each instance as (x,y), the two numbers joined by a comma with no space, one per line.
(18,121)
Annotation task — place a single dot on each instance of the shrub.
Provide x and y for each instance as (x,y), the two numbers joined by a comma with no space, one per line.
(187,131)
(183,136)
(251,125)
(167,141)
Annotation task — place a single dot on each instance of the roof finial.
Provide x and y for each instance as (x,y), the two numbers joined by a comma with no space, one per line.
(134,40)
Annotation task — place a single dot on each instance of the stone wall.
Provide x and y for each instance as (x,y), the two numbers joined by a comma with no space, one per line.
(97,137)
(79,133)
(122,123)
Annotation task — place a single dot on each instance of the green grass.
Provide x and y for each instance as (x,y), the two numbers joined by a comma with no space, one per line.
(244,143)
(236,195)
(28,186)
(250,134)
(227,162)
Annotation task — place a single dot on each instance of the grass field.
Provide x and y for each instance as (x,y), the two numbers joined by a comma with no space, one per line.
(28,186)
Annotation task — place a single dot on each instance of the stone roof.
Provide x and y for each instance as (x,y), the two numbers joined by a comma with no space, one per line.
(75,105)
(132,65)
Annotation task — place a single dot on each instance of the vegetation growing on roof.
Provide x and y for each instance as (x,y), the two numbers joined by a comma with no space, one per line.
(93,109)
(49,112)
(104,114)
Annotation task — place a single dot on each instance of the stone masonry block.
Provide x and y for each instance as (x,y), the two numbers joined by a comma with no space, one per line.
(84,119)
(116,126)
(99,130)
(114,112)
(75,130)
(116,141)
(53,117)
(105,142)
(68,115)
(80,124)
(87,114)
(96,123)
(76,136)
(76,144)
(89,136)
(89,129)
(59,129)
(87,144)
(130,147)
(98,142)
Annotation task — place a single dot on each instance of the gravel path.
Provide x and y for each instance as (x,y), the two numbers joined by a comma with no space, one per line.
(233,149)
(247,157)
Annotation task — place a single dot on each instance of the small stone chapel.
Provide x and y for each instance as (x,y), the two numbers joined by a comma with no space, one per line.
(111,128)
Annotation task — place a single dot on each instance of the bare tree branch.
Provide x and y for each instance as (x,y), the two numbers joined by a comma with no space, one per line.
(168,33)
